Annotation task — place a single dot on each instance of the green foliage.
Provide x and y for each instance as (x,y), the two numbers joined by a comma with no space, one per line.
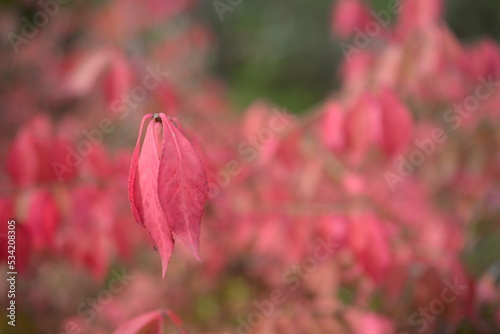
(276,49)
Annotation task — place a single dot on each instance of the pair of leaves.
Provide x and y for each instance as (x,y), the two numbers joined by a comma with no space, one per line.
(167,187)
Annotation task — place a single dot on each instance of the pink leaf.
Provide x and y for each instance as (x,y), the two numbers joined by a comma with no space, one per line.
(183,185)
(416,15)
(23,237)
(152,323)
(148,323)
(43,219)
(331,127)
(146,195)
(348,15)
(369,241)
(397,124)
(21,166)
(133,173)
(118,80)
(363,127)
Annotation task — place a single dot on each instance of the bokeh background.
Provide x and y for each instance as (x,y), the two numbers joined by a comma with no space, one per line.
(272,49)
(412,221)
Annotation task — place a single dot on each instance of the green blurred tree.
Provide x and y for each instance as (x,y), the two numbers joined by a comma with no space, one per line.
(283,49)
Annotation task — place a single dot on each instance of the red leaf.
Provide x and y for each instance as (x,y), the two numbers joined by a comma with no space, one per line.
(418,15)
(370,242)
(397,124)
(348,15)
(363,127)
(118,80)
(183,185)
(43,219)
(148,323)
(147,200)
(331,127)
(23,237)
(168,188)
(133,173)
(151,323)
(21,152)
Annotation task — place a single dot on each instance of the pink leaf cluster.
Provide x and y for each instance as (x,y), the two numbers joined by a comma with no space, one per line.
(167,187)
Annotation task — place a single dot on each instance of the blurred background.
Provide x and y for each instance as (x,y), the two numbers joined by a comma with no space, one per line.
(273,49)
(374,206)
